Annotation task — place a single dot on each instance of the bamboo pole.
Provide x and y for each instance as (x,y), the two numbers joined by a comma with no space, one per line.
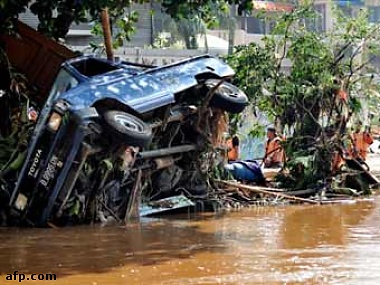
(107,33)
(263,191)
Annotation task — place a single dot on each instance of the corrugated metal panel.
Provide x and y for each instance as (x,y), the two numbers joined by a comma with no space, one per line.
(82,40)
(141,38)
(30,19)
(145,18)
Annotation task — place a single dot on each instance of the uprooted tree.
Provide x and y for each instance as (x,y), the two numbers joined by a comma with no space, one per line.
(318,97)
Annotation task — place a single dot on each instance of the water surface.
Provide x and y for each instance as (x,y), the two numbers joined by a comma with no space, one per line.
(331,244)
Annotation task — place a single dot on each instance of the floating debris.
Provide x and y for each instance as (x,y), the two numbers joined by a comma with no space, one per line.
(165,205)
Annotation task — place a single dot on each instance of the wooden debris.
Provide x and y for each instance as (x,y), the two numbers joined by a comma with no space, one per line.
(134,201)
(267,191)
(107,33)
(372,179)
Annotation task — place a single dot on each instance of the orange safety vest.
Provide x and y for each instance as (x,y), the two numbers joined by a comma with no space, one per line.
(273,151)
(337,162)
(233,151)
(361,143)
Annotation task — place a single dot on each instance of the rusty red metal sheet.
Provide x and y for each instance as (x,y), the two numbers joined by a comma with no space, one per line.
(35,55)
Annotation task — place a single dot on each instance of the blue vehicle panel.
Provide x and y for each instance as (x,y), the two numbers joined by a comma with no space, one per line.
(146,90)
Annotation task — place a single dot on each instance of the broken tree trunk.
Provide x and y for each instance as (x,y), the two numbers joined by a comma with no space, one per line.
(107,34)
(266,192)
(133,208)
(355,164)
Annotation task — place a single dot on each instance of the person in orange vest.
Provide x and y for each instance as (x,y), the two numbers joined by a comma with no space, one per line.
(361,142)
(274,154)
(368,140)
(233,148)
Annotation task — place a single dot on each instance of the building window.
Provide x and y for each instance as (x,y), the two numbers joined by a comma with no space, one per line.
(258,26)
(347,10)
(255,25)
(321,17)
(318,22)
(374,14)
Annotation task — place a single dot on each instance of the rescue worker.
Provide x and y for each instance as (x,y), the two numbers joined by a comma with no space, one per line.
(361,142)
(368,140)
(233,148)
(274,154)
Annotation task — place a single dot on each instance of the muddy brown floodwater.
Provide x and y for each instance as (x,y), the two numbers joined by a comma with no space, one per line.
(331,244)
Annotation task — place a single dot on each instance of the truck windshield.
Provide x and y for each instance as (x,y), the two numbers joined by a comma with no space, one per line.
(62,83)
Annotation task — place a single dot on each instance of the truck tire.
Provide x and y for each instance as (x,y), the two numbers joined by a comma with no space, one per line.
(227,97)
(128,128)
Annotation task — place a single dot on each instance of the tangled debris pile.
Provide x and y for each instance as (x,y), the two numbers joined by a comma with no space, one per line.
(16,125)
(111,132)
(109,138)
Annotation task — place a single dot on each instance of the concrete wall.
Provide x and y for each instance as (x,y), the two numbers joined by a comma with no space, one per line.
(155,56)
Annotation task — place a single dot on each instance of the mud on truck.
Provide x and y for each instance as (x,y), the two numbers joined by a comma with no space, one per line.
(107,125)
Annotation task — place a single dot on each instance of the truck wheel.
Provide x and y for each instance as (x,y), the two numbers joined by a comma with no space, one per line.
(128,128)
(227,97)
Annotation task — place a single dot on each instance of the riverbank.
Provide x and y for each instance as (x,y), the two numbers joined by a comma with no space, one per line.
(237,195)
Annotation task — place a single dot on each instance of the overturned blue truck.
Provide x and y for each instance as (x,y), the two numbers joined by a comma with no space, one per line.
(108,125)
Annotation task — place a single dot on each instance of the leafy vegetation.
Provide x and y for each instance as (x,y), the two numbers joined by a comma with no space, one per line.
(15,124)
(56,16)
(318,97)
